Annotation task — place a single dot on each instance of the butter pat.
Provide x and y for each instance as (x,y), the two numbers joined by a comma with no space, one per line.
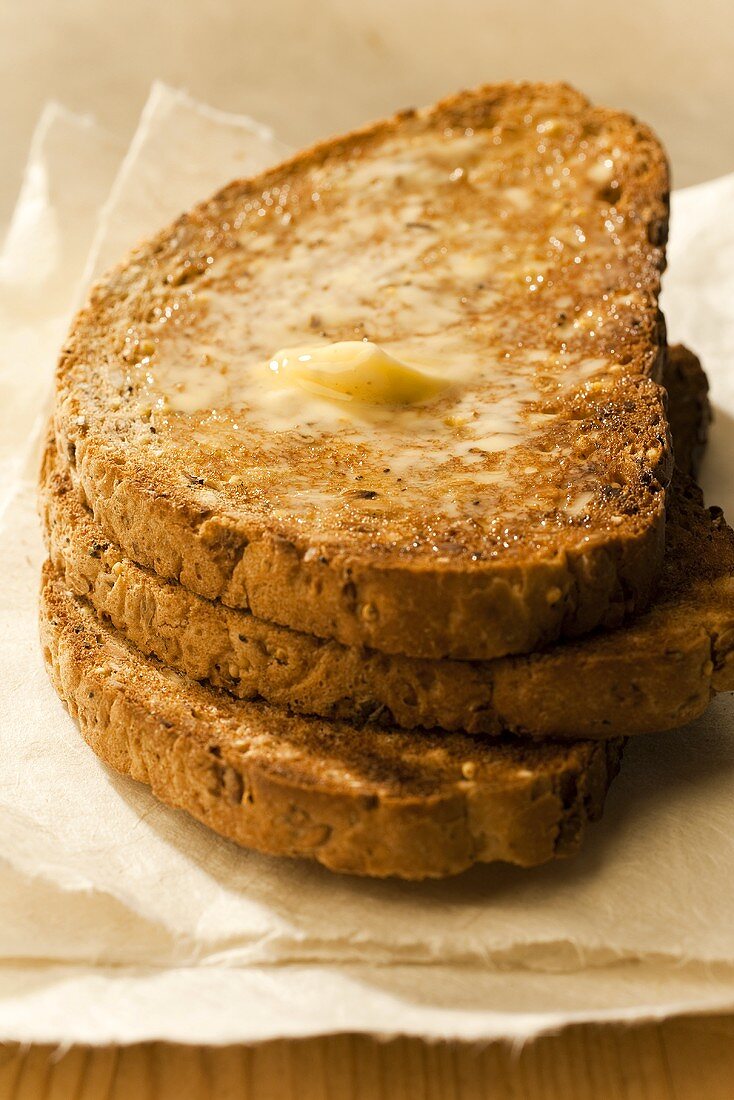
(355,370)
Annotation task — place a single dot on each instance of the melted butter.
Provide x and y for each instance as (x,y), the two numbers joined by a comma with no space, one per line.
(356,370)
(602,171)
(411,285)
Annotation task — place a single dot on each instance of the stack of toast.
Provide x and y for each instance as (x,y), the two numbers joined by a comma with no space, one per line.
(369,503)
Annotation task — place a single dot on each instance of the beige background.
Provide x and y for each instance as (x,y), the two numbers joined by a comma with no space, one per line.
(310,67)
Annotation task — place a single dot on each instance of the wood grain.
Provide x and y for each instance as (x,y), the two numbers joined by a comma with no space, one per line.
(684,1059)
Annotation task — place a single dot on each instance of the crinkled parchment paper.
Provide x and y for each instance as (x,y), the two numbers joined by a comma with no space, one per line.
(122,920)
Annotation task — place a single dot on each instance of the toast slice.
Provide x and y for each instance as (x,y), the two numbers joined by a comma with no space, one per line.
(366,801)
(657,672)
(493,478)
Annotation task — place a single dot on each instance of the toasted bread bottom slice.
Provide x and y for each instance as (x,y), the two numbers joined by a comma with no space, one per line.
(656,673)
(366,801)
(516,233)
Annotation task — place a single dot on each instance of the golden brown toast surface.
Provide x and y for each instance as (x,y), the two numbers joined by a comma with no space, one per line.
(508,241)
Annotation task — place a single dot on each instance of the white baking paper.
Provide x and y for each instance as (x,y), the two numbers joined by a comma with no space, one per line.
(123,920)
(70,170)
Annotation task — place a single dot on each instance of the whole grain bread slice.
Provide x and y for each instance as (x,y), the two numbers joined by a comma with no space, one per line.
(657,672)
(366,801)
(512,235)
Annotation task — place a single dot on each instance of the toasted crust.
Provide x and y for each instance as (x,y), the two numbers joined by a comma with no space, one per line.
(658,672)
(369,802)
(689,409)
(496,589)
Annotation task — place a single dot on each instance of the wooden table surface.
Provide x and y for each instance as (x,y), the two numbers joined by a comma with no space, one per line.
(686,1059)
